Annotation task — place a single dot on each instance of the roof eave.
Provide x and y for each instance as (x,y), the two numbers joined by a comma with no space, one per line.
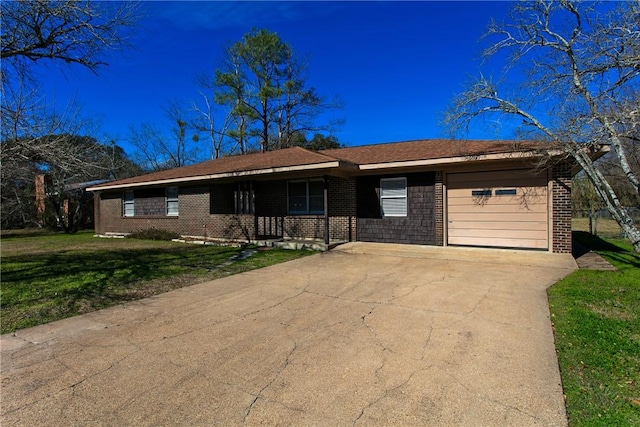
(256,172)
(594,153)
(457,159)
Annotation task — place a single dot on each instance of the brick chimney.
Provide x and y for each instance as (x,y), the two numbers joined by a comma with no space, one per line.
(40,198)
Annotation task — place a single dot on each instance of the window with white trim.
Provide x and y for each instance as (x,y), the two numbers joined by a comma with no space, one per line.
(172,201)
(393,196)
(128,203)
(306,197)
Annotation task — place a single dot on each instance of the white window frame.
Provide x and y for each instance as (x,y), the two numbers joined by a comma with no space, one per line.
(307,210)
(128,204)
(394,194)
(172,200)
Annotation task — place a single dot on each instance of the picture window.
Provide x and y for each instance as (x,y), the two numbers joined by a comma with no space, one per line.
(306,197)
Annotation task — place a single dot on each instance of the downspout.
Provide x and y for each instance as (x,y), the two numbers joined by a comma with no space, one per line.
(326,210)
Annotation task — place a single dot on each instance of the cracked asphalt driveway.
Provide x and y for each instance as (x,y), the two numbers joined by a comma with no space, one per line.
(364,335)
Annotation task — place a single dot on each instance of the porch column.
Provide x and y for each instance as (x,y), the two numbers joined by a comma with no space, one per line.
(252,210)
(326,209)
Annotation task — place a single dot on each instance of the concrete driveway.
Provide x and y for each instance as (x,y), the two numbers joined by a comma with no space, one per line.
(366,334)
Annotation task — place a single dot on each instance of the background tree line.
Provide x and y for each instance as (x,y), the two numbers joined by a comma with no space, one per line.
(257,100)
(577,86)
(36,136)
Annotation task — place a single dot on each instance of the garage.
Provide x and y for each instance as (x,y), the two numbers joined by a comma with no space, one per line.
(507,208)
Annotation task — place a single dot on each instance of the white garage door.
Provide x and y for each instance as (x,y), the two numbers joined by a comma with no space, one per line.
(498,209)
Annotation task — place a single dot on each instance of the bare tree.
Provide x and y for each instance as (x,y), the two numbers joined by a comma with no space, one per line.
(34,134)
(61,32)
(65,186)
(38,140)
(68,32)
(56,150)
(171,147)
(585,200)
(578,85)
(205,123)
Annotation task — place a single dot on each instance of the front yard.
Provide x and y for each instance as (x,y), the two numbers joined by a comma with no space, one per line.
(47,277)
(596,317)
(596,314)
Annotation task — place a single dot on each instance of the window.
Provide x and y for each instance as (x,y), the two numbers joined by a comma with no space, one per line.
(306,197)
(393,196)
(172,201)
(127,204)
(243,198)
(506,192)
(481,193)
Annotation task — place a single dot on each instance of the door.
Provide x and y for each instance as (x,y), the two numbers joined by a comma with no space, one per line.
(498,209)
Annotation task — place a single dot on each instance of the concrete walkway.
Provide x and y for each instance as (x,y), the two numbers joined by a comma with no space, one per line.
(589,260)
(363,335)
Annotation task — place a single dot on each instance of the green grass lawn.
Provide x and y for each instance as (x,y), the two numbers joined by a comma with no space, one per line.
(47,277)
(596,317)
(596,314)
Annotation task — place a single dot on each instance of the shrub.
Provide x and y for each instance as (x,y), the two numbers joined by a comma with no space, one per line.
(153,234)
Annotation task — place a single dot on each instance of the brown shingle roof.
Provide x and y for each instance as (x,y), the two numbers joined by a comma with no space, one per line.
(426,150)
(300,157)
(289,157)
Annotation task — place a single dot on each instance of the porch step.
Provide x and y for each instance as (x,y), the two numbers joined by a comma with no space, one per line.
(300,244)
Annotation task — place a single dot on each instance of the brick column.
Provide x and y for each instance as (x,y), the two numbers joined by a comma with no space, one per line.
(342,208)
(40,191)
(439,199)
(561,200)
(96,213)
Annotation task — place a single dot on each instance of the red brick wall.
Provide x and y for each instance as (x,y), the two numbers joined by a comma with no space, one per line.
(342,208)
(195,219)
(342,214)
(40,196)
(271,198)
(561,201)
(96,212)
(439,208)
(271,201)
(418,227)
(150,202)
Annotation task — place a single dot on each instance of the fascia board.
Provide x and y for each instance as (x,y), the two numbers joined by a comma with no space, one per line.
(327,165)
(451,160)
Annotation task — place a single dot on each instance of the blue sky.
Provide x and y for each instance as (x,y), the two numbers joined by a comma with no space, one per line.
(394,65)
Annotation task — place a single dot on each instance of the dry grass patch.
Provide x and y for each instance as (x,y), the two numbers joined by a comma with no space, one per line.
(613,313)
(604,227)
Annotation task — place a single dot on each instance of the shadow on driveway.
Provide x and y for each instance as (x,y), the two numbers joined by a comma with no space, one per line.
(368,334)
